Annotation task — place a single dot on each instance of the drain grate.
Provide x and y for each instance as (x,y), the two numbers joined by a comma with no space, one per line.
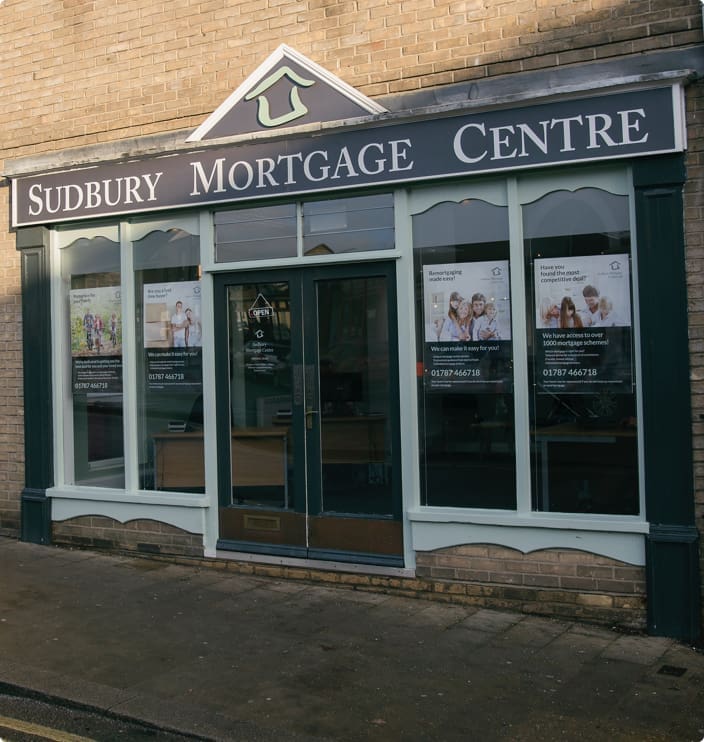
(676,672)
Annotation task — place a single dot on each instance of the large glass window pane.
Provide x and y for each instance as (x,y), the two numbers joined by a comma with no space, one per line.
(90,269)
(580,337)
(261,384)
(345,225)
(255,234)
(465,372)
(355,395)
(169,364)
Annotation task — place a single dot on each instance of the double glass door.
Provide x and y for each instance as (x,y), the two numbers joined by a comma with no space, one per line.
(308,413)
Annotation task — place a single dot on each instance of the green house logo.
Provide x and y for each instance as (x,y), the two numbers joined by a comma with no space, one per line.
(287,89)
(298,108)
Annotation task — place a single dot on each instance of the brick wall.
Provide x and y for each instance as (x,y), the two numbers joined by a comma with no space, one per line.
(145,536)
(559,582)
(694,226)
(86,71)
(11,417)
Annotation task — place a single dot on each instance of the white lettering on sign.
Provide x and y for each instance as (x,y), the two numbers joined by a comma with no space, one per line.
(474,142)
(343,163)
(92,194)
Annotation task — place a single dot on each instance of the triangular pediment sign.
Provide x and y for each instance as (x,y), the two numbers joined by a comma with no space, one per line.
(287,89)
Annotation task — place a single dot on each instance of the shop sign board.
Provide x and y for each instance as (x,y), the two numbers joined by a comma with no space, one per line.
(617,125)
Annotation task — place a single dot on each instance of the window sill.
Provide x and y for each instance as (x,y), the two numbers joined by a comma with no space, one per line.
(512,519)
(99,494)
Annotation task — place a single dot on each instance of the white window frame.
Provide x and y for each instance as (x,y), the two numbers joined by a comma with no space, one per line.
(300,260)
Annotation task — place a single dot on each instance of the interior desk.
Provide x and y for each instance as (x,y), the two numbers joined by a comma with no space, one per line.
(350,439)
(258,455)
(572,433)
(358,439)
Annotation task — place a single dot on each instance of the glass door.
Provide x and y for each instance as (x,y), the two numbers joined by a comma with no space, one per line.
(308,413)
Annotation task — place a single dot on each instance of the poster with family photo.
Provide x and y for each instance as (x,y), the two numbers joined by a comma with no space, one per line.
(96,340)
(467,326)
(173,335)
(583,324)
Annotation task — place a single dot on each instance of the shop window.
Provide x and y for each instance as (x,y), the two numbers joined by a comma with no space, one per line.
(581,359)
(355,395)
(90,270)
(168,331)
(465,361)
(348,225)
(542,415)
(312,229)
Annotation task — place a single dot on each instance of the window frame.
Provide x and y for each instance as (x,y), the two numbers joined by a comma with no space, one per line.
(210,265)
(64,448)
(126,233)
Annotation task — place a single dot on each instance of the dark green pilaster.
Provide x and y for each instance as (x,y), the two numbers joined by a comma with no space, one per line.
(672,559)
(33,244)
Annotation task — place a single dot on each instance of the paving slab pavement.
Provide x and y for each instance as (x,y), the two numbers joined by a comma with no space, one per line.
(234,657)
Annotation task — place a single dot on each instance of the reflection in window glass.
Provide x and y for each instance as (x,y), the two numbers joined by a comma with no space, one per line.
(91,270)
(346,225)
(583,401)
(261,385)
(169,368)
(466,406)
(255,234)
(355,395)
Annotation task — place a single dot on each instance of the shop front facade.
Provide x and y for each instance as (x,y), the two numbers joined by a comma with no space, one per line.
(440,348)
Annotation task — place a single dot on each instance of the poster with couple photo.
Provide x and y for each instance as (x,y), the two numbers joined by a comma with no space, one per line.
(467,326)
(172,315)
(583,324)
(173,336)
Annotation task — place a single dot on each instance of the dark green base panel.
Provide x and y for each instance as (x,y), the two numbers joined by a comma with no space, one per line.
(672,563)
(35,517)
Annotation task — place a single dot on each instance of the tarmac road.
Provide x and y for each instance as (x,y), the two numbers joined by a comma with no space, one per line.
(234,657)
(24,719)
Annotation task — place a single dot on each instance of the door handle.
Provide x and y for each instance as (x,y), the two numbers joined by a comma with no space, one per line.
(309,418)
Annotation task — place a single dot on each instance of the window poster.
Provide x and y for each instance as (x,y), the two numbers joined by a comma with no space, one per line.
(172,336)
(96,340)
(583,324)
(467,327)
